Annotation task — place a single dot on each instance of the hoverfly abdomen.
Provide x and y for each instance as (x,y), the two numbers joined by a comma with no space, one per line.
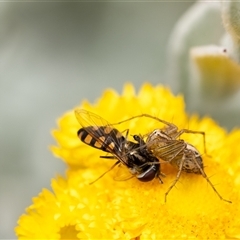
(86,137)
(104,138)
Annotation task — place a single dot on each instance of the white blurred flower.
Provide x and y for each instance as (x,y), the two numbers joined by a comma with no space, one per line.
(204,59)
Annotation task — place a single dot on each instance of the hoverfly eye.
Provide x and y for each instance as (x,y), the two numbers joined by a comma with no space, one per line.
(148,175)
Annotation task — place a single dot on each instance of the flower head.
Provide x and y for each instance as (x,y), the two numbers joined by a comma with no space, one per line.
(130,209)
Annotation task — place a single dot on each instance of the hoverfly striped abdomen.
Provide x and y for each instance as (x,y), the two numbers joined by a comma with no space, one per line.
(104,138)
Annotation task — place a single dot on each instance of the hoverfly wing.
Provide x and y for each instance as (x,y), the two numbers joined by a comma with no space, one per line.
(98,133)
(86,118)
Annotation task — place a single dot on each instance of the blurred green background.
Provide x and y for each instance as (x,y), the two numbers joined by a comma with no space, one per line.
(54,55)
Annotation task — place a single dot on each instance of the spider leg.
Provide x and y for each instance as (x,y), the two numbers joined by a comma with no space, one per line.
(206,177)
(177,177)
(179,133)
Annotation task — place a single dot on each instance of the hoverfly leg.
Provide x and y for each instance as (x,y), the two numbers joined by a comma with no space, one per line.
(108,157)
(127,131)
(160,180)
(158,175)
(114,165)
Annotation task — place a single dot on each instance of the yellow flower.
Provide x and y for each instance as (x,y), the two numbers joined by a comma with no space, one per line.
(110,209)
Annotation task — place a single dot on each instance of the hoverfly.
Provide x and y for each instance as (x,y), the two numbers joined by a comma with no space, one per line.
(164,144)
(97,132)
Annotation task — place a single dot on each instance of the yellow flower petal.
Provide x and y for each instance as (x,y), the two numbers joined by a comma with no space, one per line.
(111,209)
